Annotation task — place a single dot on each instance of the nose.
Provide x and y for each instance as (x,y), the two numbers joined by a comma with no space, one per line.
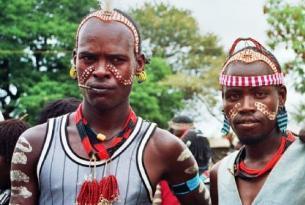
(247,104)
(101,71)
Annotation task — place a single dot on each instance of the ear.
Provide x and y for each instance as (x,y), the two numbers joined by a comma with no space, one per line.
(140,63)
(282,95)
(74,56)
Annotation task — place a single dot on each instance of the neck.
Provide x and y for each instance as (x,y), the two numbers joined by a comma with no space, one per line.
(263,150)
(106,121)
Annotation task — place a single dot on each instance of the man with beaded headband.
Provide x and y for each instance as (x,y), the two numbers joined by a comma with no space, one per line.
(103,153)
(270,166)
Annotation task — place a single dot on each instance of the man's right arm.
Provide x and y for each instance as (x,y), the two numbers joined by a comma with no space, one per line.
(24,182)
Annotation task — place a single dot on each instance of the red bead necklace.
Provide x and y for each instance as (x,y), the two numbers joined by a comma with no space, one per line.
(105,191)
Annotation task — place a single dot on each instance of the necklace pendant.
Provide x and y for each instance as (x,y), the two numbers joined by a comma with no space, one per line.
(101,137)
(105,202)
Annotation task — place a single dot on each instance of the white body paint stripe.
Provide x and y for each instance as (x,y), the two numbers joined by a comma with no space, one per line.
(19,158)
(19,176)
(21,191)
(23,145)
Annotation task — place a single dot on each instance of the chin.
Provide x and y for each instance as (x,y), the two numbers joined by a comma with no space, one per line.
(250,140)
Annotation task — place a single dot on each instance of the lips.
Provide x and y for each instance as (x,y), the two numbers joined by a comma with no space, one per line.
(246,123)
(100,88)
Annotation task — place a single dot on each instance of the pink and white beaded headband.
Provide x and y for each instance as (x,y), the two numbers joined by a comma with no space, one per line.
(250,56)
(108,14)
(252,81)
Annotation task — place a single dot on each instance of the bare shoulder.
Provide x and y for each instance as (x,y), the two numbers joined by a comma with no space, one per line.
(35,136)
(167,143)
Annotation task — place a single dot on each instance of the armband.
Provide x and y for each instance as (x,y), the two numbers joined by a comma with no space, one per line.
(186,187)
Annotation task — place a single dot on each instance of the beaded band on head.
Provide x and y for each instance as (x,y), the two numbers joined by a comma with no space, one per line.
(107,14)
(250,55)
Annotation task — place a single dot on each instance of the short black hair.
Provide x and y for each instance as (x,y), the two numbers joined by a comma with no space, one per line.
(199,146)
(57,108)
(182,119)
(10,130)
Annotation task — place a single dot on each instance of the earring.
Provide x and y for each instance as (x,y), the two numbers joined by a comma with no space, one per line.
(282,119)
(226,126)
(141,76)
(73,73)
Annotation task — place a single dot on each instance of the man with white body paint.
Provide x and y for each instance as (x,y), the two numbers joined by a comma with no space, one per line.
(103,145)
(269,167)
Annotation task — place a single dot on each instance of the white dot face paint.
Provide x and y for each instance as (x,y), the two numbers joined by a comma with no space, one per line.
(116,73)
(191,170)
(19,176)
(23,145)
(19,158)
(234,111)
(185,154)
(21,191)
(264,109)
(84,76)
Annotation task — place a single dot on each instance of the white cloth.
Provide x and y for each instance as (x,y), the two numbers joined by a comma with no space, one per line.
(284,185)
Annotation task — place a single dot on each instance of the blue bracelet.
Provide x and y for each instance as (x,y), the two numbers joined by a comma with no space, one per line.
(186,187)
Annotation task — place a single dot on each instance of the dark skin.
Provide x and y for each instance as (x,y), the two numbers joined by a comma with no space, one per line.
(101,43)
(259,134)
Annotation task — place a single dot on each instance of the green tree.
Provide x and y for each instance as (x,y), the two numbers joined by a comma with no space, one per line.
(195,58)
(44,91)
(287,28)
(36,39)
(152,99)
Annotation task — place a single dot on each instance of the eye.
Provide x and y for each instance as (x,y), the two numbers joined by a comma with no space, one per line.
(233,96)
(260,94)
(117,60)
(87,59)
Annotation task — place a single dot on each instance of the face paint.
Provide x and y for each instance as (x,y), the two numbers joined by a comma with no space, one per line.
(86,74)
(115,72)
(191,170)
(233,112)
(23,145)
(185,154)
(21,191)
(264,109)
(19,176)
(19,158)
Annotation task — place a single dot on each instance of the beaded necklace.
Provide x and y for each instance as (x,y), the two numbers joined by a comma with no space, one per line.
(105,191)
(93,143)
(241,170)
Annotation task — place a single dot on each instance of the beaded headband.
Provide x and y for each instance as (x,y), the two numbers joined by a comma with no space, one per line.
(108,15)
(249,56)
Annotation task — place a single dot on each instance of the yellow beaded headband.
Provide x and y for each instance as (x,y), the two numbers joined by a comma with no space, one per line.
(107,15)
(250,56)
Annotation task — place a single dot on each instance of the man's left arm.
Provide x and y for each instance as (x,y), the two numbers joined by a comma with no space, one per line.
(183,176)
